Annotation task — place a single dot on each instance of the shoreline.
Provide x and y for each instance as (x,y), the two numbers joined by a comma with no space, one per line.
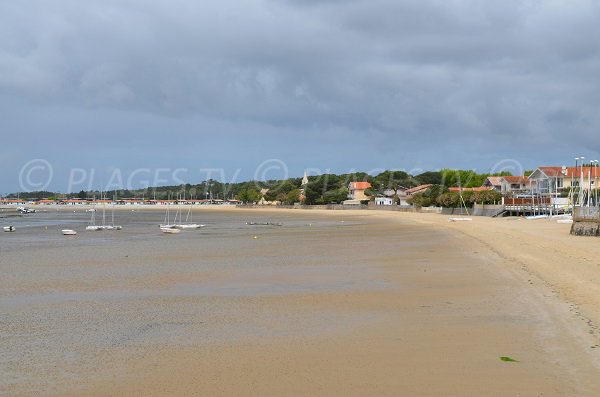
(530,291)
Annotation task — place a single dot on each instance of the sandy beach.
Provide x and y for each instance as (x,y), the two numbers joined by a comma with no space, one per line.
(332,303)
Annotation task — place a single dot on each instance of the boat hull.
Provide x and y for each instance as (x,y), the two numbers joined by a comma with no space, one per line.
(168,230)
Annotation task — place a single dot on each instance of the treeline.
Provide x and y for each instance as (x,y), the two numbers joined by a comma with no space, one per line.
(439,195)
(321,189)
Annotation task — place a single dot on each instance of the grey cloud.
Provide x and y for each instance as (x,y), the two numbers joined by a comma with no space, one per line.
(445,79)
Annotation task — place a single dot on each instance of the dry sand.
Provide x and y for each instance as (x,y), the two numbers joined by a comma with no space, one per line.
(386,303)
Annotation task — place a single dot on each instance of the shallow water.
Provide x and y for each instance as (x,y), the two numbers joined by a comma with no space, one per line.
(65,299)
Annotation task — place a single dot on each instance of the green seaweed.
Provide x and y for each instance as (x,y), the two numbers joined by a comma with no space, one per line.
(508,359)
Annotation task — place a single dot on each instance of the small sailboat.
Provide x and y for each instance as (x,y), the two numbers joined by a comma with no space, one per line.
(170,230)
(104,226)
(9,228)
(188,221)
(459,219)
(167,222)
(112,225)
(92,226)
(69,232)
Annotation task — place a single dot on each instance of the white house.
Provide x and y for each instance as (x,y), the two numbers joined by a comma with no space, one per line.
(384,201)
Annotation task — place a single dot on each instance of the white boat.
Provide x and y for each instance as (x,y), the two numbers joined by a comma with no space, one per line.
(113,226)
(533,217)
(169,230)
(93,227)
(264,223)
(167,222)
(9,228)
(189,226)
(69,232)
(188,221)
(568,221)
(459,219)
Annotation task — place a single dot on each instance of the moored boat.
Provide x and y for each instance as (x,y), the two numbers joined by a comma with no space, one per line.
(189,226)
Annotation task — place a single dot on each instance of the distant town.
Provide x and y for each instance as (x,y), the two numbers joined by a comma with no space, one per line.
(545,186)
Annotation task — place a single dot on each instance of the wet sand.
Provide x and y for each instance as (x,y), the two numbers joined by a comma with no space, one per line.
(331,303)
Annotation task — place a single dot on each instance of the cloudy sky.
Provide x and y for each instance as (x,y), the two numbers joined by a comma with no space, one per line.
(135,91)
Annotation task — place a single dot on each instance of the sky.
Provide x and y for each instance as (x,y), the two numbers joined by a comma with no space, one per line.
(129,93)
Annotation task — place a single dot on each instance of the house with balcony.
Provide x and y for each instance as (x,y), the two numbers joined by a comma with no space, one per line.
(515,185)
(356,190)
(552,180)
(356,193)
(493,182)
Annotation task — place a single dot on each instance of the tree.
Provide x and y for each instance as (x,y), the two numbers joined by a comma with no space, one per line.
(420,200)
(293,196)
(428,197)
(430,177)
(449,200)
(335,196)
(311,193)
(250,195)
(271,195)
(486,197)
(393,180)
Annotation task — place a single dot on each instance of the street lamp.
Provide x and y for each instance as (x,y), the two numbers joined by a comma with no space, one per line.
(595,182)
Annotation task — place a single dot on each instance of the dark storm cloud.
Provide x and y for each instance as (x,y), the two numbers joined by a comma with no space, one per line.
(410,83)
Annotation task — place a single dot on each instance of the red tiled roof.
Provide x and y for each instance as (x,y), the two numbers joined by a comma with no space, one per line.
(570,171)
(551,171)
(470,189)
(418,189)
(360,185)
(494,180)
(516,179)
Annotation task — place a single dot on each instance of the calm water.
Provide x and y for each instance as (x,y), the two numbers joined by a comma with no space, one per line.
(64,300)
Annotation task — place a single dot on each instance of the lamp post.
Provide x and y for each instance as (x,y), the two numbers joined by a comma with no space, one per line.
(595,182)
(581,193)
(573,181)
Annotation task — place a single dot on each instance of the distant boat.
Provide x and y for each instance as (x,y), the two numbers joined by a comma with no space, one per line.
(167,222)
(69,232)
(188,221)
(92,226)
(9,228)
(190,226)
(169,230)
(104,226)
(25,210)
(264,224)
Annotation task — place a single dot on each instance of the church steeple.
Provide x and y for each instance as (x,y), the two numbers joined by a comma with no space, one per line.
(305,179)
